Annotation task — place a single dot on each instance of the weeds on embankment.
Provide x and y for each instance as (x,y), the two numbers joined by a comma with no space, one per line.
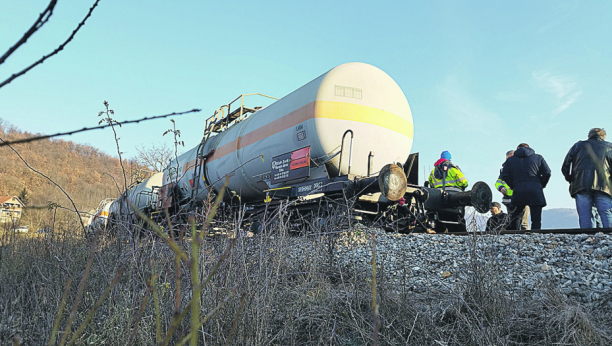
(274,288)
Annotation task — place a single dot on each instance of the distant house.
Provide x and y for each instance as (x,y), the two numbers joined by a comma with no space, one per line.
(10,209)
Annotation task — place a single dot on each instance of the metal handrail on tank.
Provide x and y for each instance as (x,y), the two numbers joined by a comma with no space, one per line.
(242,107)
(212,120)
(103,203)
(217,124)
(342,152)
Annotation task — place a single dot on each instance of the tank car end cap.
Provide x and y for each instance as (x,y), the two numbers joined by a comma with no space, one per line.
(392,182)
(481,197)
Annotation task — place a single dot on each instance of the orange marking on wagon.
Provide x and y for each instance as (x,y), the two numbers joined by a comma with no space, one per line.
(224,150)
(320,109)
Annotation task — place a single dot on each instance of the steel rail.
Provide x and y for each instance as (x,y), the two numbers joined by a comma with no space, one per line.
(539,231)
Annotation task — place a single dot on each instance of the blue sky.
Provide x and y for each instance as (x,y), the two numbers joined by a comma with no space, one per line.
(480,76)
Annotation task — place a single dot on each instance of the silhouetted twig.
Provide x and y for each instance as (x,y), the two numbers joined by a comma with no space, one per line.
(42,19)
(112,122)
(57,50)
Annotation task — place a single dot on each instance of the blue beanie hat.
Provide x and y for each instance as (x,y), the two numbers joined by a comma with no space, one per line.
(446,155)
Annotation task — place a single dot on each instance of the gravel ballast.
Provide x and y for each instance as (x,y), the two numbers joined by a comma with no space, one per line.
(577,265)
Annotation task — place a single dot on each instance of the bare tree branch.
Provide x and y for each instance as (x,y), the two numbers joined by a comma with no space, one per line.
(61,46)
(155,157)
(42,19)
(32,139)
(117,185)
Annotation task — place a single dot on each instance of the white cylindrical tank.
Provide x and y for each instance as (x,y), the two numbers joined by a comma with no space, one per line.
(143,196)
(99,220)
(299,137)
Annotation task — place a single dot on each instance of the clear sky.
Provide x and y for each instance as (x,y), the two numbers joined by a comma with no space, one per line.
(480,76)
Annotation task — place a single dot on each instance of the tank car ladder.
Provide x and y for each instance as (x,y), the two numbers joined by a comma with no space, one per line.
(199,172)
(222,119)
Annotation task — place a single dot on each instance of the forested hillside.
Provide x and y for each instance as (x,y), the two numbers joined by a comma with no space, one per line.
(83,172)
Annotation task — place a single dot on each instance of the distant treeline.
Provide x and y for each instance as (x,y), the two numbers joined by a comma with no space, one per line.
(84,173)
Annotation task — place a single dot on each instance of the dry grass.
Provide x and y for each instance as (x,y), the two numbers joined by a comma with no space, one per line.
(263,291)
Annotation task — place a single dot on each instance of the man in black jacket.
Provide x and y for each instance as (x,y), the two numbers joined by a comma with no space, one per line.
(527,174)
(498,220)
(588,169)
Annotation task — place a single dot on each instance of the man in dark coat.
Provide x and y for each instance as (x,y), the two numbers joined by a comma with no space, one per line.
(527,174)
(502,187)
(588,169)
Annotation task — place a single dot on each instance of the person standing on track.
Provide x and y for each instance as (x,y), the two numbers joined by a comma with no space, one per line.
(527,174)
(505,190)
(445,174)
(588,169)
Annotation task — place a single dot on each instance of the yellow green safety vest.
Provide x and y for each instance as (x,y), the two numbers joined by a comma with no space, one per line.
(454,177)
(500,183)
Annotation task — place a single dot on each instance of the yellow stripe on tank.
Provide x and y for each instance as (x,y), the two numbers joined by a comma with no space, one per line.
(364,114)
(319,109)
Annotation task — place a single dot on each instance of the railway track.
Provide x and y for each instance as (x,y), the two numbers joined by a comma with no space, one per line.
(546,231)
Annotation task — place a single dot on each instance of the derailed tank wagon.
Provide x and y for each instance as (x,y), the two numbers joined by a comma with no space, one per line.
(300,137)
(142,196)
(345,135)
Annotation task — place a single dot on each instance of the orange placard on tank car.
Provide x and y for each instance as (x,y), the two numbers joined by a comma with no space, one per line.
(300,158)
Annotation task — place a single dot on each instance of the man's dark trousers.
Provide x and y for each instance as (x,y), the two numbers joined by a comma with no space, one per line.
(536,217)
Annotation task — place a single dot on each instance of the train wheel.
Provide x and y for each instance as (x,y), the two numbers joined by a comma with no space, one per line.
(256,227)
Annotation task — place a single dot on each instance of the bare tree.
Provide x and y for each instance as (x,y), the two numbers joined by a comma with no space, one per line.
(156,157)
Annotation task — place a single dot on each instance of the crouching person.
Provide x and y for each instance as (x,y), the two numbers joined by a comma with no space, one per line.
(498,220)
